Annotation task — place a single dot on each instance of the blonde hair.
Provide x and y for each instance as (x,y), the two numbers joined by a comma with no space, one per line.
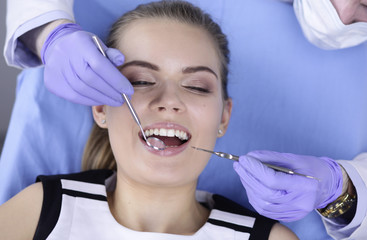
(98,152)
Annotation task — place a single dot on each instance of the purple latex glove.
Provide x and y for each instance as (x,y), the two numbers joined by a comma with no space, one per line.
(77,71)
(286,197)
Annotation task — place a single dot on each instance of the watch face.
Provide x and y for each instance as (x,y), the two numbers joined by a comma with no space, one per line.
(340,206)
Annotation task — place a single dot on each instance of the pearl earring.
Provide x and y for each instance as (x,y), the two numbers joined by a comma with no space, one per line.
(103,121)
(220,131)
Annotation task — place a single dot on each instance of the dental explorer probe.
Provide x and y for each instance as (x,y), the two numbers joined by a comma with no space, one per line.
(236,158)
(151,141)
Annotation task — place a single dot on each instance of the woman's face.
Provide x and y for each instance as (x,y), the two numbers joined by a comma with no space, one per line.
(175,71)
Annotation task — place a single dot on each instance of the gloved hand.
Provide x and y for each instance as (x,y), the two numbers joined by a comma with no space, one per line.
(77,71)
(288,197)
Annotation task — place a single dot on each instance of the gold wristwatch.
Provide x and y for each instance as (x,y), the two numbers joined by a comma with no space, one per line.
(343,203)
(340,206)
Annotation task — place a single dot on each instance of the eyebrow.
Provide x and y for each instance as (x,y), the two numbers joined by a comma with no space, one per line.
(154,67)
(198,69)
(140,64)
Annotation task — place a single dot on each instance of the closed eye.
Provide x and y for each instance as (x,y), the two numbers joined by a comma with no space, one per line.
(142,83)
(197,89)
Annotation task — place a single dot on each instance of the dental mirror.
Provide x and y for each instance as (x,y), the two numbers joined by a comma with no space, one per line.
(151,141)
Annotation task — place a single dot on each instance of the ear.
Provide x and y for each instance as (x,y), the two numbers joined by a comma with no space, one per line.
(99,115)
(226,115)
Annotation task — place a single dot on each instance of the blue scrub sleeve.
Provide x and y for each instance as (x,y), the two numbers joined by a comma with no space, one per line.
(46,135)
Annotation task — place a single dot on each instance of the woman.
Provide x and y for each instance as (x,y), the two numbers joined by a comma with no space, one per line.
(176,58)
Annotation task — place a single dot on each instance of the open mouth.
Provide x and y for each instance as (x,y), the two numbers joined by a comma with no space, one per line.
(170,137)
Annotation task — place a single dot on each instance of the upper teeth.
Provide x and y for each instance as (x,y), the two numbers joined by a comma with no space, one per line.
(166,133)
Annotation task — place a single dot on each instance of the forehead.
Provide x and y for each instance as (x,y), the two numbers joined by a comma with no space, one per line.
(170,42)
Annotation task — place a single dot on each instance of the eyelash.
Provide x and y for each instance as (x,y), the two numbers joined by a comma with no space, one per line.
(198,89)
(142,83)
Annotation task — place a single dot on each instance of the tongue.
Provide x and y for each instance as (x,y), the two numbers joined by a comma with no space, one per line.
(170,141)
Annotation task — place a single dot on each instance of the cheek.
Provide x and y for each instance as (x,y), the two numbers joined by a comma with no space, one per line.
(208,116)
(118,117)
(120,125)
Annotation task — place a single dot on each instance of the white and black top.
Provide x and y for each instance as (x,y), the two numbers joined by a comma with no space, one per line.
(75,207)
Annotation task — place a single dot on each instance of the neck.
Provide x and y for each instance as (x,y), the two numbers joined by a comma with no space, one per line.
(157,209)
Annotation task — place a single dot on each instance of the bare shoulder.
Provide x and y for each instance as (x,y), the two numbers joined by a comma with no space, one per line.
(281,232)
(20,215)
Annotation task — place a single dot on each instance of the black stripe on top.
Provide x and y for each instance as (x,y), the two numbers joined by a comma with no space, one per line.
(262,228)
(262,225)
(233,226)
(91,176)
(84,195)
(51,208)
(52,197)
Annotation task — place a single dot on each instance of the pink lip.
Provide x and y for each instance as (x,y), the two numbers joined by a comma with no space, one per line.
(169,151)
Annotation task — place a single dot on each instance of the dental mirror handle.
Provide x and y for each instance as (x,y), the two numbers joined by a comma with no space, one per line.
(99,46)
(157,143)
(133,113)
(127,101)
(152,142)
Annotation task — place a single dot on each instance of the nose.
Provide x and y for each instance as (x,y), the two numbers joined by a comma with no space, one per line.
(168,100)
